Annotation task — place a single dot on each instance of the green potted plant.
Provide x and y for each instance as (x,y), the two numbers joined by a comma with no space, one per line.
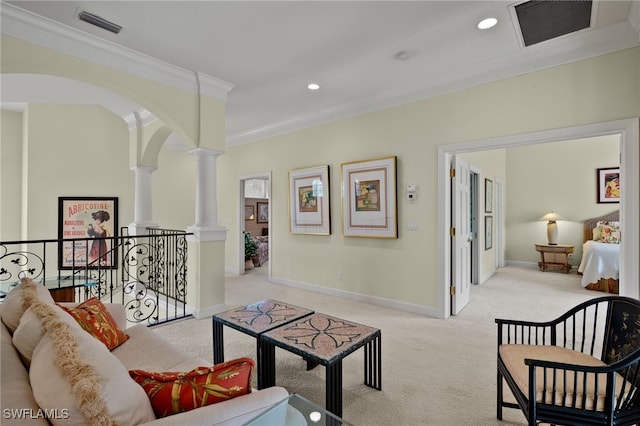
(250,250)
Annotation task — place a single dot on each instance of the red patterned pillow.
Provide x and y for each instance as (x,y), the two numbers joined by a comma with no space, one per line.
(94,317)
(174,392)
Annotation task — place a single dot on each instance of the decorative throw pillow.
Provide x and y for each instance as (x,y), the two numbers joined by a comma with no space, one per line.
(174,392)
(14,305)
(30,331)
(94,317)
(609,232)
(75,375)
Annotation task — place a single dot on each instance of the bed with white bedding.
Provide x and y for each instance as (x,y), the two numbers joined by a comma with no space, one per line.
(600,264)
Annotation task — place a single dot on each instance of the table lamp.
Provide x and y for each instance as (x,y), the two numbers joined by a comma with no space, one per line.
(552,227)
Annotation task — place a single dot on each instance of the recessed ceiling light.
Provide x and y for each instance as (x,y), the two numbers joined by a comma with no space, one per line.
(487,23)
(313,86)
(403,55)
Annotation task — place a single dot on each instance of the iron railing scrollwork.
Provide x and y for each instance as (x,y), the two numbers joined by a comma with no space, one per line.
(150,279)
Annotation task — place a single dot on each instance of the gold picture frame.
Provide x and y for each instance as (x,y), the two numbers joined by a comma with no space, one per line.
(310,201)
(369,198)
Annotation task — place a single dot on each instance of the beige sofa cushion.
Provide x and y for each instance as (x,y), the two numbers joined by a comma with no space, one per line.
(14,306)
(513,357)
(126,402)
(151,352)
(75,376)
(16,396)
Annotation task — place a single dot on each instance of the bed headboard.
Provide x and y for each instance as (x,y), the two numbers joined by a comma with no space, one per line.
(589,224)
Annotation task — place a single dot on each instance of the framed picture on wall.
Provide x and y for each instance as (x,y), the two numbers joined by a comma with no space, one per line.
(309,201)
(608,185)
(248,213)
(263,212)
(488,196)
(369,198)
(488,232)
(89,223)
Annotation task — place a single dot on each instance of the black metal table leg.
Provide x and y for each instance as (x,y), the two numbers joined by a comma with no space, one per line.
(334,388)
(266,364)
(218,342)
(310,364)
(373,363)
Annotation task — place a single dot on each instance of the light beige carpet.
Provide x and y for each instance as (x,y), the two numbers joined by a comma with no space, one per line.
(434,372)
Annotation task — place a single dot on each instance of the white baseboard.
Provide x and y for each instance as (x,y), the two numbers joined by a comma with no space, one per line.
(374,300)
(485,277)
(208,311)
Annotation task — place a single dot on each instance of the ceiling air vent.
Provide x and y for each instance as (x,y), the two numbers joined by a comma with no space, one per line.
(542,20)
(99,22)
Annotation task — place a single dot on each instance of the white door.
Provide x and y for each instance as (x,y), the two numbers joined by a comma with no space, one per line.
(461,238)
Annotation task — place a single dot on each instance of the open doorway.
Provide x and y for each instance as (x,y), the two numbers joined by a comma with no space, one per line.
(254,243)
(628,131)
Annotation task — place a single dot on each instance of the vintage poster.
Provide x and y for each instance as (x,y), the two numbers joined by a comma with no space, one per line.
(89,223)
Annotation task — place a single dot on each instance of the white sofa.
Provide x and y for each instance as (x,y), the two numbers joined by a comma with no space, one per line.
(35,389)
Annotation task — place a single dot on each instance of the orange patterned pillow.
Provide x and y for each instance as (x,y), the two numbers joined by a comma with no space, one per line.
(94,317)
(173,392)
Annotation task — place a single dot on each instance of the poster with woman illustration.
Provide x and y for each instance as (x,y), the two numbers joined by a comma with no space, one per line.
(89,223)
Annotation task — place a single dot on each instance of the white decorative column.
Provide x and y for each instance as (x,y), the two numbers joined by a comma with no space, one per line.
(143,207)
(206,227)
(205,269)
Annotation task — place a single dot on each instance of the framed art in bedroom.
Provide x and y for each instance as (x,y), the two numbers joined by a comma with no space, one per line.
(488,196)
(88,222)
(263,212)
(309,201)
(488,232)
(248,213)
(369,198)
(608,185)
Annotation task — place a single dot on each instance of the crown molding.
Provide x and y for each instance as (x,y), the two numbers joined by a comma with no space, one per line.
(584,45)
(634,16)
(22,24)
(140,118)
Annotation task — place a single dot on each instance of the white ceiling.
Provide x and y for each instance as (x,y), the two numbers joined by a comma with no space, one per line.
(269,50)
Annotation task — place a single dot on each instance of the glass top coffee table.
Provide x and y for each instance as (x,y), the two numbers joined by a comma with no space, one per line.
(295,410)
(254,319)
(53,284)
(325,340)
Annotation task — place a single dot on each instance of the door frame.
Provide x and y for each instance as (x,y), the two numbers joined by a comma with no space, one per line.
(629,132)
(475,212)
(240,252)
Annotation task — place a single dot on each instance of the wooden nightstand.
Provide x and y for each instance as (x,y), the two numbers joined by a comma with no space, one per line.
(554,256)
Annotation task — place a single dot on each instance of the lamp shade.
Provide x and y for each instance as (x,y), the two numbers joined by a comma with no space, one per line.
(551,217)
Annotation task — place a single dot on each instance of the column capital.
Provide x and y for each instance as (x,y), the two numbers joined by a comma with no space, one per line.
(205,151)
(138,168)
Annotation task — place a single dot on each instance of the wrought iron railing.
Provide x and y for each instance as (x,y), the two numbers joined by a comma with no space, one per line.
(145,273)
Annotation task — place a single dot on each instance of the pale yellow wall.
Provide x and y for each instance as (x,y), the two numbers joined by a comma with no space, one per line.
(404,269)
(590,91)
(72,151)
(10,175)
(180,110)
(174,190)
(537,178)
(558,177)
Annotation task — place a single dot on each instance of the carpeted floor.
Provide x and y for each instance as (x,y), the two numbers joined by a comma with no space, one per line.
(435,372)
